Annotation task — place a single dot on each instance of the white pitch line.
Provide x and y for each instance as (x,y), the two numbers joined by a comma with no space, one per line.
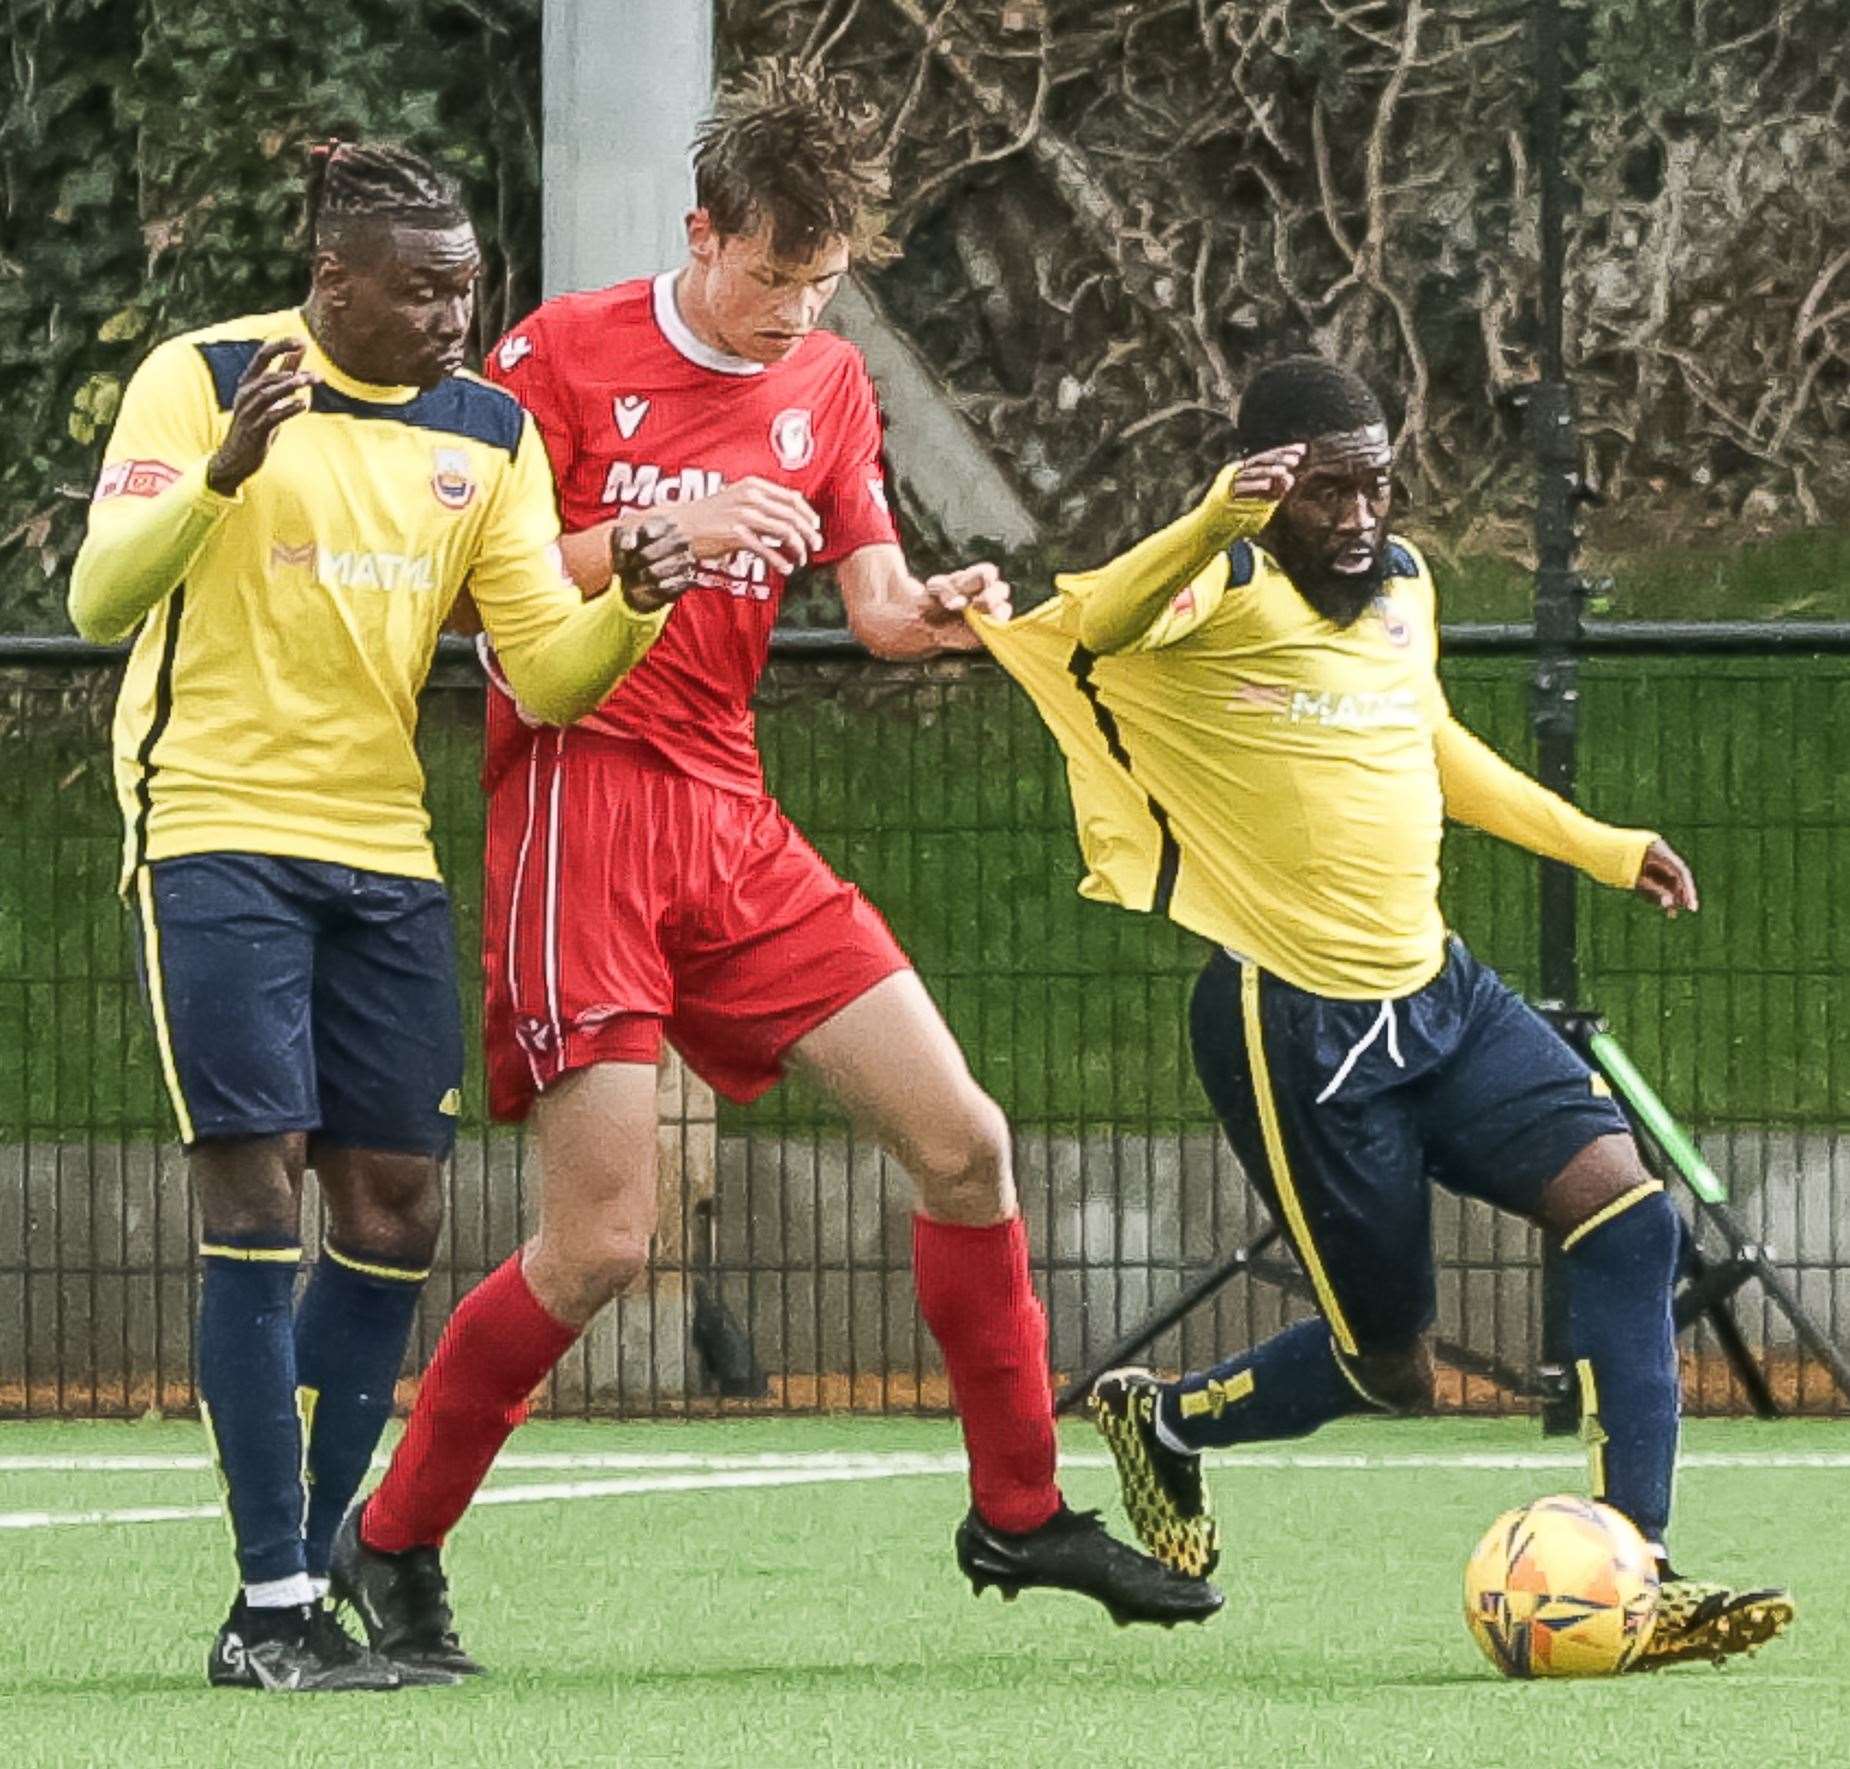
(688,1473)
(896,1468)
(640,1461)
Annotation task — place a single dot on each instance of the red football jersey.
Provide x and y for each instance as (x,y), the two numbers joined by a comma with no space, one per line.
(637,412)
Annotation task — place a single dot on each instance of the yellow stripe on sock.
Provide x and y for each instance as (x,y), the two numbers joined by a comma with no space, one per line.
(1355,1382)
(224,1483)
(305,1399)
(1217,1397)
(396,1272)
(1281,1167)
(1592,1432)
(157,1001)
(254,1255)
(1617,1207)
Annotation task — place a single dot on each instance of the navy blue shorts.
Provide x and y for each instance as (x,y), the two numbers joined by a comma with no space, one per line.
(1341,1111)
(295,995)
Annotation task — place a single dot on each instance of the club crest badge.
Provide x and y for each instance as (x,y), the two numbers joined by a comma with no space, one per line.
(793,440)
(1392,623)
(452,478)
(629,411)
(135,479)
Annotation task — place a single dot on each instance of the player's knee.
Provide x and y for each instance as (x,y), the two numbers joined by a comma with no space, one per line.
(600,1268)
(1398,1379)
(964,1169)
(1640,1241)
(390,1205)
(249,1185)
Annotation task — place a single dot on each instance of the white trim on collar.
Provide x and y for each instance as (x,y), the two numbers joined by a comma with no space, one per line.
(676,330)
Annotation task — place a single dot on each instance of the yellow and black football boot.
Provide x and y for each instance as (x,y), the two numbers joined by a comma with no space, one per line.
(1696,1621)
(1165,1497)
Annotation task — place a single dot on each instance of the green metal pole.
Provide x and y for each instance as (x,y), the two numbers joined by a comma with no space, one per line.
(1672,1138)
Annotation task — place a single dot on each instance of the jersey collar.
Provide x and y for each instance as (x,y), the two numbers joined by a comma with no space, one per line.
(676,330)
(317,362)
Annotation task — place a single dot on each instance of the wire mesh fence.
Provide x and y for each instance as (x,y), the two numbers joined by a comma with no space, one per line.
(782,1270)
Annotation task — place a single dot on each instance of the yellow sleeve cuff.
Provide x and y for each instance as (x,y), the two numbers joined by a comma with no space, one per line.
(1122,600)
(136,550)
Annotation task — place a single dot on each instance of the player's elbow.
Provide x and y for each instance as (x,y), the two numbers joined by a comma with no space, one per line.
(93,620)
(553,705)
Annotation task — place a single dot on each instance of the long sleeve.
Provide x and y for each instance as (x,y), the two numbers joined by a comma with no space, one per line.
(152,510)
(1483,790)
(562,655)
(1123,599)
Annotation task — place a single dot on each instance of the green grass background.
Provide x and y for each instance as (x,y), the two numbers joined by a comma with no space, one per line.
(826,1625)
(942,795)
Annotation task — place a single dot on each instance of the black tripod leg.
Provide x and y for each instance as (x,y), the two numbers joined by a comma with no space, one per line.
(1741,1360)
(1152,1329)
(1586,1033)
(1773,1281)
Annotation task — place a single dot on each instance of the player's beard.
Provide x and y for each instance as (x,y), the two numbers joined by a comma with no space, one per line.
(1341,597)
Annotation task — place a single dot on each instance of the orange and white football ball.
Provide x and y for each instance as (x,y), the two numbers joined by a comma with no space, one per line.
(1564,1587)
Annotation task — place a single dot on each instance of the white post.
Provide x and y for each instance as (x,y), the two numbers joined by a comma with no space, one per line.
(624,85)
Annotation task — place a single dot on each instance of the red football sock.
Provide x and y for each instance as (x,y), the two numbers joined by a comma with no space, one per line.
(499,1346)
(978,1300)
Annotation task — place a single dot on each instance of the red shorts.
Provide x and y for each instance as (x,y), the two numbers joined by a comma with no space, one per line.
(625,902)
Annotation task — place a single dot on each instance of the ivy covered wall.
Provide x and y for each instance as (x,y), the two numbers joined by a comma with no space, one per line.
(150,162)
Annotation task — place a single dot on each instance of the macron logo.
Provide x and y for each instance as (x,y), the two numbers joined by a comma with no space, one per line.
(629,411)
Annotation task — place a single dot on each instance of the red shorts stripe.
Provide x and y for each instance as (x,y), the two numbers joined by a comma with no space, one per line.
(626,902)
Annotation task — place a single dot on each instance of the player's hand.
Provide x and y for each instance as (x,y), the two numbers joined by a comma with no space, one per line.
(1666,880)
(754,516)
(270,393)
(1266,477)
(951,593)
(652,564)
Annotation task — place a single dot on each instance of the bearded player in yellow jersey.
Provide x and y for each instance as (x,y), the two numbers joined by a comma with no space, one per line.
(288,506)
(1258,747)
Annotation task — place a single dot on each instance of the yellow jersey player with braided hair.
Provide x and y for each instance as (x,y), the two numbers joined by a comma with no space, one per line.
(1258,747)
(288,506)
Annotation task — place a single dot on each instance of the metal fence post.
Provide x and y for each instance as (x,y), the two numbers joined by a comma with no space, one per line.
(1549,414)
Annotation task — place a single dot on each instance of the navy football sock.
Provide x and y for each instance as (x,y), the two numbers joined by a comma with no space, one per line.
(1620,1272)
(247,1397)
(350,1338)
(1285,1387)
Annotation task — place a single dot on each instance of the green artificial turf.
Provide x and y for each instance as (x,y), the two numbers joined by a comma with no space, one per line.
(825,1624)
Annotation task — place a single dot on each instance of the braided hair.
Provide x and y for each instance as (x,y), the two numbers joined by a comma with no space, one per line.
(354,186)
(1301,397)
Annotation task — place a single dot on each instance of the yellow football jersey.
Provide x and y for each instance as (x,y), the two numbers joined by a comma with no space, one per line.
(1270,780)
(270,699)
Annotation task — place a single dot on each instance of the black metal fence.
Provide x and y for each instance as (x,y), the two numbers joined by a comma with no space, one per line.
(782,1278)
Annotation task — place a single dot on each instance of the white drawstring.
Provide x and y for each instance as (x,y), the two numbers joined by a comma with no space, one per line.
(1385,1018)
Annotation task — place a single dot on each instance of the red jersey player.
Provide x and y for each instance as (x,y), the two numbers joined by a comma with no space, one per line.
(641,884)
